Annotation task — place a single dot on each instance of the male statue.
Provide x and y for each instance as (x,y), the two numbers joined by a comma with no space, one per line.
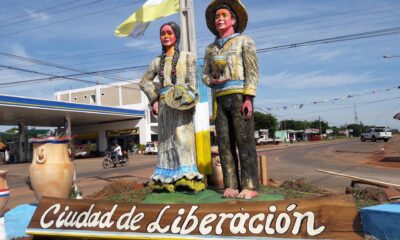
(231,70)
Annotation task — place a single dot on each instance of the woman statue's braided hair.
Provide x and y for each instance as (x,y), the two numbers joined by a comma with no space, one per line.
(177,31)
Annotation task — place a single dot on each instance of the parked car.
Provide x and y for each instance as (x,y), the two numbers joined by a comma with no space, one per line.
(315,138)
(151,148)
(264,139)
(377,133)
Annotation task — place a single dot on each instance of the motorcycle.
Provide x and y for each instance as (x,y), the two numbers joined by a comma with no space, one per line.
(110,161)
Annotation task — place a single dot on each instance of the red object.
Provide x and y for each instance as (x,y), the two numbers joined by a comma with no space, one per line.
(315,138)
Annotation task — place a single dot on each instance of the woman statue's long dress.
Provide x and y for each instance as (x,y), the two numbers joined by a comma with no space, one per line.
(176,164)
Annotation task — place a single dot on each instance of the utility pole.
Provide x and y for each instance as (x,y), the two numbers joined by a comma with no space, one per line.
(355,114)
(320,133)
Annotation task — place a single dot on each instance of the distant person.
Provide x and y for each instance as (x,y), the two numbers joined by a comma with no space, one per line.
(6,155)
(135,148)
(116,153)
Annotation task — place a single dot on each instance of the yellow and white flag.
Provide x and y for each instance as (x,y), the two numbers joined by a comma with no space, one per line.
(137,23)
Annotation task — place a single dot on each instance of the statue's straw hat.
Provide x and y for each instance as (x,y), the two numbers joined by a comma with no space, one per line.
(179,97)
(236,6)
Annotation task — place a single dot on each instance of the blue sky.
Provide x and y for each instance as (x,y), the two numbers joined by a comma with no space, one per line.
(79,34)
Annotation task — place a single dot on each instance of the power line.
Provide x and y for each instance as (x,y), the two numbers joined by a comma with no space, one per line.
(324,18)
(375,33)
(53,77)
(272,26)
(30,81)
(36,61)
(380,32)
(307,19)
(68,19)
(124,50)
(37,11)
(327,26)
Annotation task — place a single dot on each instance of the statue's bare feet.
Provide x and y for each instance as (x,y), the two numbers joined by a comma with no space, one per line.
(247,194)
(230,193)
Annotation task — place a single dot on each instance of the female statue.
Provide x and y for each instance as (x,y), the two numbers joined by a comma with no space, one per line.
(174,103)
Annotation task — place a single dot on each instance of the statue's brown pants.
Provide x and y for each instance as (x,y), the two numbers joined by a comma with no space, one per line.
(233,130)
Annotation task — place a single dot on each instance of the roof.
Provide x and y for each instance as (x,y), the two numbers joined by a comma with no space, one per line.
(40,112)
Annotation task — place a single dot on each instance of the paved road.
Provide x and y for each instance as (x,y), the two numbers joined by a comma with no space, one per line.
(349,157)
(286,161)
(91,176)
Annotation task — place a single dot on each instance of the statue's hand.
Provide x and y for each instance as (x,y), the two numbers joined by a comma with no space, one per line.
(247,108)
(155,109)
(217,81)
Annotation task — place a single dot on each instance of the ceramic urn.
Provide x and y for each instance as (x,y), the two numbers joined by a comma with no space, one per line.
(217,178)
(4,191)
(51,172)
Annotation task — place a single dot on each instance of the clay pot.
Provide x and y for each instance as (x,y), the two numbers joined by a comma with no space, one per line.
(217,178)
(4,191)
(51,172)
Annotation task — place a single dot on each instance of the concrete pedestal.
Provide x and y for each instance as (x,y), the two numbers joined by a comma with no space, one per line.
(2,229)
(17,220)
(381,221)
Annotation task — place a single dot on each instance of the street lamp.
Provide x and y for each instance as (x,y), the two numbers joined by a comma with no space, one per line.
(390,56)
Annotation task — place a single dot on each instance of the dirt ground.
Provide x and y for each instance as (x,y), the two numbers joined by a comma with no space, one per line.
(388,155)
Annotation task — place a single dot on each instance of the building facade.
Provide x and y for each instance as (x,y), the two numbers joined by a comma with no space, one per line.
(127,95)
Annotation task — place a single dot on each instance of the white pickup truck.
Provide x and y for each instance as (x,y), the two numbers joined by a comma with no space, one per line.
(264,139)
(378,133)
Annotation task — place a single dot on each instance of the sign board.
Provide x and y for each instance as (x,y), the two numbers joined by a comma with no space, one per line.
(321,218)
(344,132)
(124,132)
(329,131)
(311,130)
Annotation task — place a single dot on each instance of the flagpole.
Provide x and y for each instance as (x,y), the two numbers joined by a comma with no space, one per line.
(187,26)
(201,115)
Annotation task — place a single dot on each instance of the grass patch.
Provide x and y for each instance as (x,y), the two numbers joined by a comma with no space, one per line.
(123,191)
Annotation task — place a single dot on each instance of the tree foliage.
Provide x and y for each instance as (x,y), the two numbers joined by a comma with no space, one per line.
(293,124)
(317,123)
(357,129)
(265,121)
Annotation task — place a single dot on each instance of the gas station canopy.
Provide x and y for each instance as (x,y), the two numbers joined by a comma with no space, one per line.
(39,112)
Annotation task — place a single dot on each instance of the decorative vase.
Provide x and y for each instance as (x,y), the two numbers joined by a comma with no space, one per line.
(4,191)
(217,177)
(51,172)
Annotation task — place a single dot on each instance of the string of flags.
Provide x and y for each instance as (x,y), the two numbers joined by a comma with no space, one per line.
(333,100)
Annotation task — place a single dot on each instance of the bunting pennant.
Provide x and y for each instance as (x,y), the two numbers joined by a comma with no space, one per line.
(333,100)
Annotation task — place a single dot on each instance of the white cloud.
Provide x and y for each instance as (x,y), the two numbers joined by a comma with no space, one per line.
(315,79)
(19,50)
(327,55)
(280,12)
(38,16)
(141,42)
(15,49)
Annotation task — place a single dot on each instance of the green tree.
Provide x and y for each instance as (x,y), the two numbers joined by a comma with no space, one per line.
(335,130)
(293,124)
(317,123)
(357,129)
(13,130)
(265,121)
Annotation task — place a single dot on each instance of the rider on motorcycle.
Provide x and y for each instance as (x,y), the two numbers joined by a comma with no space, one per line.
(116,155)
